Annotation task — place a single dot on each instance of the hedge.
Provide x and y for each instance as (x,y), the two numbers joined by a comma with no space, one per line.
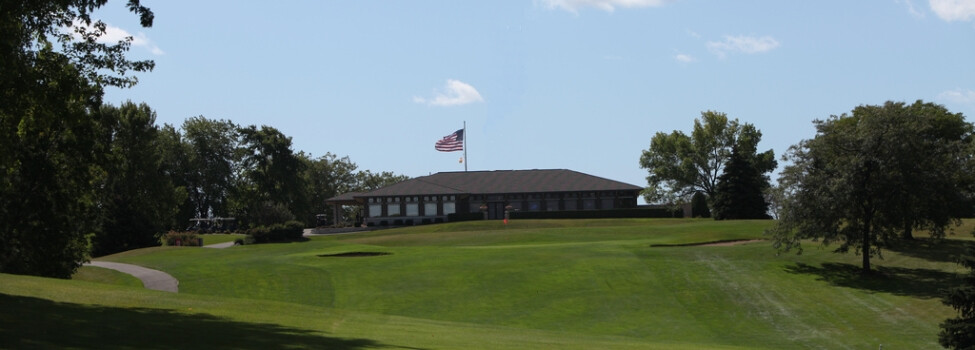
(186,239)
(286,232)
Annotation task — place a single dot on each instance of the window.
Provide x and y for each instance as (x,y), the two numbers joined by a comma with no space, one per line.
(375,210)
(534,205)
(571,204)
(412,209)
(392,209)
(552,205)
(448,208)
(607,203)
(588,204)
(430,209)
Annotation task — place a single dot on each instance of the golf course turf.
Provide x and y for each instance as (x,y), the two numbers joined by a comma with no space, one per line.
(628,283)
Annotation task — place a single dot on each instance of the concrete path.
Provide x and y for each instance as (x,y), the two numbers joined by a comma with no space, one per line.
(220,245)
(151,279)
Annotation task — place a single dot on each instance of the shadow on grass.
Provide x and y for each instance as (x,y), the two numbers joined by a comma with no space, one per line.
(944,250)
(32,323)
(922,283)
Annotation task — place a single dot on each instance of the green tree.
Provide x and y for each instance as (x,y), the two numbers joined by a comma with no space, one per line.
(138,199)
(176,164)
(369,181)
(849,184)
(699,205)
(272,174)
(680,165)
(326,177)
(959,332)
(54,68)
(740,191)
(213,164)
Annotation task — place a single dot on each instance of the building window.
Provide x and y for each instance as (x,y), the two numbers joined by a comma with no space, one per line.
(392,209)
(448,208)
(534,206)
(430,209)
(607,203)
(375,210)
(588,204)
(515,206)
(571,204)
(552,205)
(412,209)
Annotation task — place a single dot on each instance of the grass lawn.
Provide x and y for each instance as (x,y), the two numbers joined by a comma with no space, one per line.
(214,238)
(529,284)
(103,275)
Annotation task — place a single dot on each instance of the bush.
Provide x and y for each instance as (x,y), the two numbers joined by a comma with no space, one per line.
(699,206)
(286,232)
(173,238)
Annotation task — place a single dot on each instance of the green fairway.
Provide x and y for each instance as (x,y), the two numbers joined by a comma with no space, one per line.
(528,284)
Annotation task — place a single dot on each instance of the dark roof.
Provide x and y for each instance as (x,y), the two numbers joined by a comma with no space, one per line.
(501,181)
(345,197)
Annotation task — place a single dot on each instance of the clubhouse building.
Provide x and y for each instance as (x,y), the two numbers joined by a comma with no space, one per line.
(430,199)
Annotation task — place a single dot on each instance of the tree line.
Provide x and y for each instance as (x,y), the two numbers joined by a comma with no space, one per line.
(79,177)
(865,182)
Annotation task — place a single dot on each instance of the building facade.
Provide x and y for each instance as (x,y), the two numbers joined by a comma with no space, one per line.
(430,199)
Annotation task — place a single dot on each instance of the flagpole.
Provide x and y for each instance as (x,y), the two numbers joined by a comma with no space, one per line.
(465,146)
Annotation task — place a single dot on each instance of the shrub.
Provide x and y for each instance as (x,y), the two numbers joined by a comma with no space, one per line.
(286,232)
(174,238)
(699,205)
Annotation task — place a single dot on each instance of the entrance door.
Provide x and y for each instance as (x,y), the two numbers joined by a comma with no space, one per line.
(495,210)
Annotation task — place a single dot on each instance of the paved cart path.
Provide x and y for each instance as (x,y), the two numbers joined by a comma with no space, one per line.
(151,279)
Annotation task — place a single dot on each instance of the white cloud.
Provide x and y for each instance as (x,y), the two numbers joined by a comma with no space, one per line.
(742,44)
(115,34)
(958,96)
(605,5)
(683,58)
(456,93)
(909,4)
(953,10)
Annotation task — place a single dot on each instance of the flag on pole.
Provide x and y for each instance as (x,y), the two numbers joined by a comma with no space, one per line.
(451,143)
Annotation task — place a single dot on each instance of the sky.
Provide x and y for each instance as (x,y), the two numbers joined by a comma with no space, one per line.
(543,84)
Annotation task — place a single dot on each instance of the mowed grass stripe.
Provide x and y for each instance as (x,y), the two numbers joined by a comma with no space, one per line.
(590,278)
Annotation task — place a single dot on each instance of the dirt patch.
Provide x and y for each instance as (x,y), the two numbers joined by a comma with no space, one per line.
(709,244)
(353,254)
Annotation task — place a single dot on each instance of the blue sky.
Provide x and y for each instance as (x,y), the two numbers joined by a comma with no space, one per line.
(576,84)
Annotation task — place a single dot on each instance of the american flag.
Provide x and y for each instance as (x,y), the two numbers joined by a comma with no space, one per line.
(452,142)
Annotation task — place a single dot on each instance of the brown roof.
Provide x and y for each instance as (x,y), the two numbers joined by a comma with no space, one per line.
(501,181)
(345,197)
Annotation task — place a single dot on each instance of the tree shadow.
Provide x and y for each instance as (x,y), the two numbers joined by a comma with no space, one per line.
(921,283)
(943,250)
(33,323)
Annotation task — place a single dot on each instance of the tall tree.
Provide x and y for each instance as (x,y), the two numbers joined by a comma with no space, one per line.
(139,200)
(368,181)
(272,173)
(850,184)
(740,191)
(176,164)
(680,165)
(55,66)
(213,163)
(326,177)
